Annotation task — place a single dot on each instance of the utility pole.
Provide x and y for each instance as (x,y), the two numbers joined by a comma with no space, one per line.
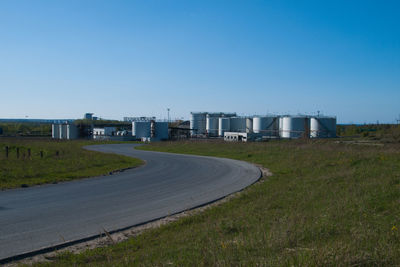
(168,109)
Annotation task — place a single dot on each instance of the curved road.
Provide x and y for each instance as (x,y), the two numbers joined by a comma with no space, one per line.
(51,215)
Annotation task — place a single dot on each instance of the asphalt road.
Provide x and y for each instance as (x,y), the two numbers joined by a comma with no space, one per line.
(45,216)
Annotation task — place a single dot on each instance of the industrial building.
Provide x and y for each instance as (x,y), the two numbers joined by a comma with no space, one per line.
(236,137)
(105,131)
(132,119)
(88,116)
(225,125)
(236,128)
(143,128)
(111,133)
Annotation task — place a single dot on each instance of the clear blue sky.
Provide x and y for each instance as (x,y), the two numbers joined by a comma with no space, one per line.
(60,59)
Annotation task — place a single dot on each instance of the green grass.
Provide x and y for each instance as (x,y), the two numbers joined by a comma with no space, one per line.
(327,204)
(72,162)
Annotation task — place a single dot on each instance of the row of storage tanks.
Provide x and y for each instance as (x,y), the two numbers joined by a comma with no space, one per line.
(64,131)
(216,124)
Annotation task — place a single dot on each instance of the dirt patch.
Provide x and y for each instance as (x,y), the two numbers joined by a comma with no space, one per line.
(107,239)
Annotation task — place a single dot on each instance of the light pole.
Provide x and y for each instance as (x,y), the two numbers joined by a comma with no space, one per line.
(168,109)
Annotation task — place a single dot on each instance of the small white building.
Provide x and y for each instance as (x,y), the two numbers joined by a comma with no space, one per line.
(106,131)
(111,134)
(236,136)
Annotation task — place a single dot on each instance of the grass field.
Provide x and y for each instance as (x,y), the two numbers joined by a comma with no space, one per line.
(61,161)
(327,204)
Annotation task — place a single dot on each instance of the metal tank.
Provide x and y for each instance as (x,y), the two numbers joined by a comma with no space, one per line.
(55,131)
(63,131)
(152,128)
(161,130)
(238,124)
(249,125)
(141,129)
(224,125)
(295,127)
(266,125)
(280,126)
(72,131)
(322,127)
(212,125)
(257,124)
(198,123)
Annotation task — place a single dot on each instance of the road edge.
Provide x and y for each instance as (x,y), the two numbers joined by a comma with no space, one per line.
(112,237)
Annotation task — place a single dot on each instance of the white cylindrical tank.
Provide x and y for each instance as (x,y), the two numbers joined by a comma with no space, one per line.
(197,123)
(294,127)
(267,125)
(161,130)
(212,125)
(224,125)
(238,124)
(280,126)
(322,127)
(249,125)
(141,129)
(63,131)
(257,124)
(55,131)
(72,131)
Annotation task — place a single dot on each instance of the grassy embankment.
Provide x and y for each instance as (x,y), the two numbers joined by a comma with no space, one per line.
(62,161)
(326,204)
(384,133)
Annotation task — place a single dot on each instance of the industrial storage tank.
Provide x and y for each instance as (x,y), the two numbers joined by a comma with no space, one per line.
(72,131)
(198,123)
(249,125)
(212,125)
(257,124)
(280,126)
(55,131)
(295,127)
(141,129)
(224,125)
(63,131)
(238,124)
(322,127)
(267,125)
(161,130)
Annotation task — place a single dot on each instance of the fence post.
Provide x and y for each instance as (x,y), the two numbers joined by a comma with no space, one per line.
(17,152)
(41,154)
(29,153)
